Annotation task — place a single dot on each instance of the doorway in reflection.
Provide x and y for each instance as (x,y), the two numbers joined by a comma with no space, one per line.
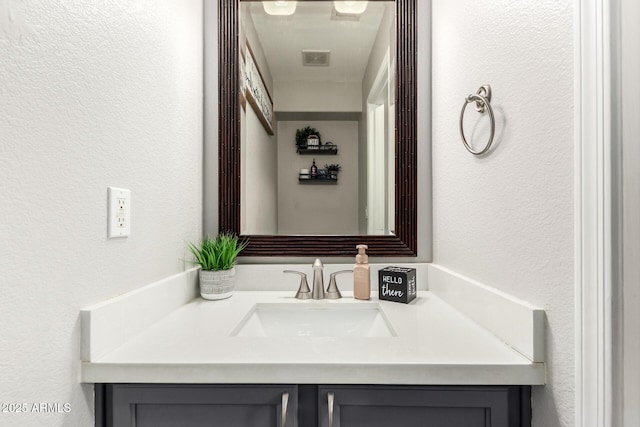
(332,71)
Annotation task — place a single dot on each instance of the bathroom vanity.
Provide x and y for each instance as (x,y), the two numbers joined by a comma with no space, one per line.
(459,355)
(149,405)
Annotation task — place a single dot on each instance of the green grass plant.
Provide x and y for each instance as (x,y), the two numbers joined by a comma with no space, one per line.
(219,253)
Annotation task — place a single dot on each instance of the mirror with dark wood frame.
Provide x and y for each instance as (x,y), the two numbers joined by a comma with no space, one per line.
(403,242)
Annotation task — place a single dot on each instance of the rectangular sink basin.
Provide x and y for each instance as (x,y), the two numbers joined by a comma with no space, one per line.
(314,320)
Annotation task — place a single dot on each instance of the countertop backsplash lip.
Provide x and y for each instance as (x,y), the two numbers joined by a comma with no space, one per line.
(109,324)
(499,312)
(116,334)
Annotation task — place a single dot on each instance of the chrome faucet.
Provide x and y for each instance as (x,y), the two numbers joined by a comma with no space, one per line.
(317,292)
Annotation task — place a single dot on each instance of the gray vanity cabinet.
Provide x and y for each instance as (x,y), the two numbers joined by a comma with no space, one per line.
(423,406)
(132,405)
(308,405)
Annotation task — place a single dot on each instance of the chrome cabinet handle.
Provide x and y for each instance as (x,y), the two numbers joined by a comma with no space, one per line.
(283,414)
(330,404)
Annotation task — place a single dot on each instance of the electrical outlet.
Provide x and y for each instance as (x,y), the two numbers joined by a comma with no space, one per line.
(119,212)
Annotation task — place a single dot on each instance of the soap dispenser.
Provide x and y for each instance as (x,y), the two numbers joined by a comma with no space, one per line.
(361,276)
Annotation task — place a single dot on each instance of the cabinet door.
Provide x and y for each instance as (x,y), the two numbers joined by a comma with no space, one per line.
(131,405)
(408,406)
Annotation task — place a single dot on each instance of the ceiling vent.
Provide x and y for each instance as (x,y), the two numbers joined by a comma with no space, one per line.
(315,58)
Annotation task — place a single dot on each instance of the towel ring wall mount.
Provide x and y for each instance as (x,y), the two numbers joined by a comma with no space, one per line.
(482,98)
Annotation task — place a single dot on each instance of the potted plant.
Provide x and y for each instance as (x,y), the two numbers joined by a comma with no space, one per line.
(333,170)
(303,134)
(217,257)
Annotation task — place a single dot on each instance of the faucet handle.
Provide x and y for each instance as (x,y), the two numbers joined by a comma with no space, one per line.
(303,291)
(332,290)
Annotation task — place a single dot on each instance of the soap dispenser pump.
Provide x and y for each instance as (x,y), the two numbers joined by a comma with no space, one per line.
(361,276)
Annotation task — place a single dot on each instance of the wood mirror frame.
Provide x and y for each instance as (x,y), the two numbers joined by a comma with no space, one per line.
(404,242)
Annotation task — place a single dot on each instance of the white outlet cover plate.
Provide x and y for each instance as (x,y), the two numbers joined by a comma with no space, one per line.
(119,212)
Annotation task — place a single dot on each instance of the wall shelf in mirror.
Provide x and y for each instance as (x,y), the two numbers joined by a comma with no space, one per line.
(318,149)
(401,238)
(317,181)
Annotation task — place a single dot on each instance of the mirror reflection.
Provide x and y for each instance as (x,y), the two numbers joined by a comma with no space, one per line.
(317,117)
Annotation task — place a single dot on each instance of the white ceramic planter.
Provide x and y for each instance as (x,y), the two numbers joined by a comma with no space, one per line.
(216,285)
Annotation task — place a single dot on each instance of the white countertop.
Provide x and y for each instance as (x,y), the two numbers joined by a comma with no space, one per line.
(435,344)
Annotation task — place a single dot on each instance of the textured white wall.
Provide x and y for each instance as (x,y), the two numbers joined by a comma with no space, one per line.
(92,93)
(507,219)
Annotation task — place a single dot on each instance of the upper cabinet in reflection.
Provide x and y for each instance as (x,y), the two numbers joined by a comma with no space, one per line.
(316,64)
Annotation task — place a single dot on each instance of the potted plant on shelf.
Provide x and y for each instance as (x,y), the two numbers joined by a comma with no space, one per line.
(303,134)
(217,257)
(333,170)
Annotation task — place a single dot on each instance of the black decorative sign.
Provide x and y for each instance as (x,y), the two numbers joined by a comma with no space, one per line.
(397,284)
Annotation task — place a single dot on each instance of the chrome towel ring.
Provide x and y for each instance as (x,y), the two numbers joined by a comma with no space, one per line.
(482,98)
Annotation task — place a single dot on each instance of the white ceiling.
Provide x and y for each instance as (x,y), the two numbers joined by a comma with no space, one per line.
(311,27)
